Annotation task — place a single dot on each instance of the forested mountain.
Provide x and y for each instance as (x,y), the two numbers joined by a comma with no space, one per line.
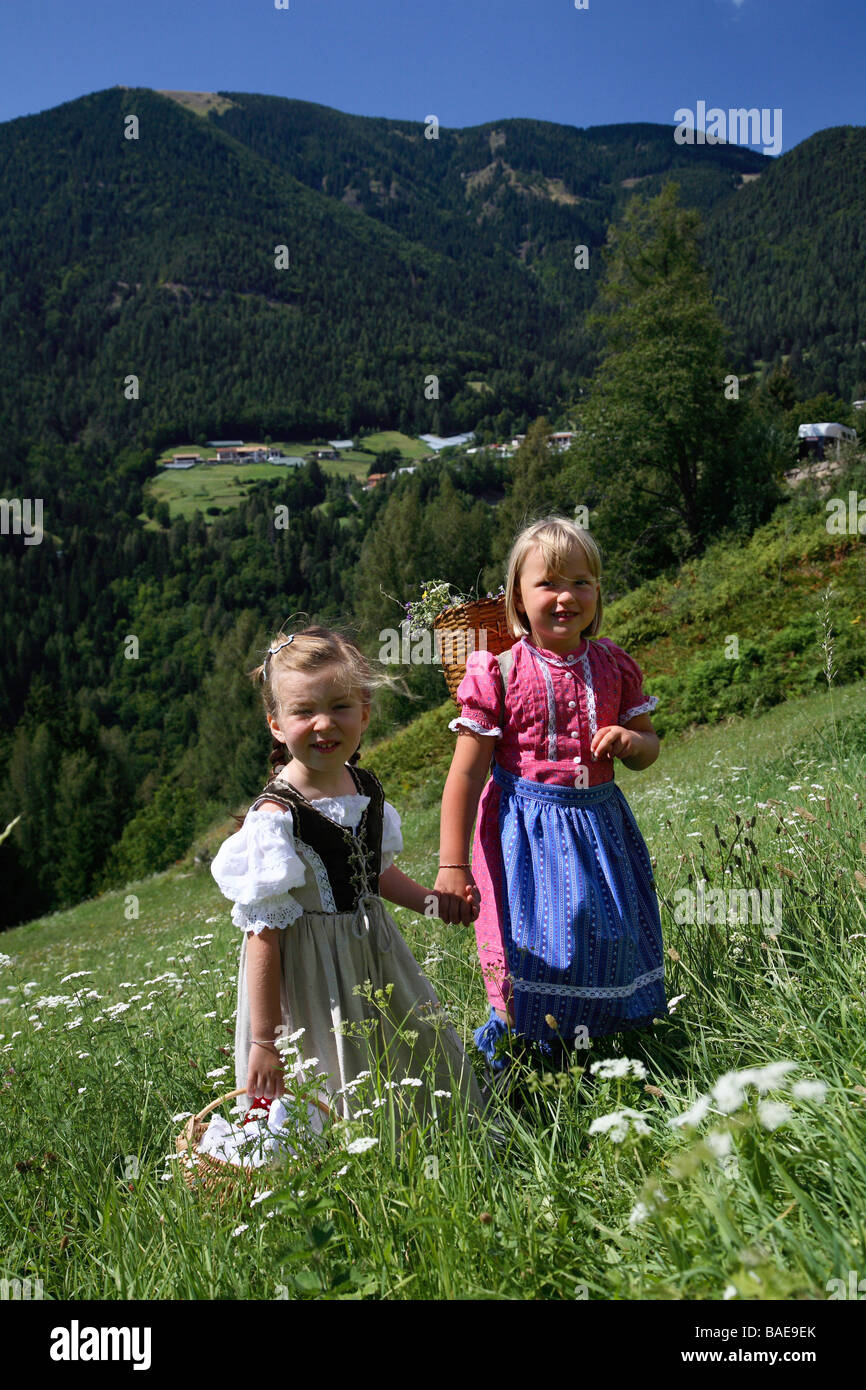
(531,188)
(407,257)
(154,258)
(788,257)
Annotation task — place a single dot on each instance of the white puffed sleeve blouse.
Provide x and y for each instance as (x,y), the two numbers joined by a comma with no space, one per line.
(260,864)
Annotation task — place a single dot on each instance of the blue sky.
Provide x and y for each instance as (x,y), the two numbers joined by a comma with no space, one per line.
(465,61)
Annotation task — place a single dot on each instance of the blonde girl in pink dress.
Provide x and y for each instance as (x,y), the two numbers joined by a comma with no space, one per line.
(569,935)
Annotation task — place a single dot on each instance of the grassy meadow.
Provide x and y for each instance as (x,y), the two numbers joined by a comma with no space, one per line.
(694,1164)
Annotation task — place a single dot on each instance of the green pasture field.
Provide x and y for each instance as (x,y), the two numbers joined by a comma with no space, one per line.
(721,1155)
(410,448)
(223,485)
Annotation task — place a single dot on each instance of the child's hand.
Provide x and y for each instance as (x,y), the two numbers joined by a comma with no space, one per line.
(264,1073)
(613,741)
(458,898)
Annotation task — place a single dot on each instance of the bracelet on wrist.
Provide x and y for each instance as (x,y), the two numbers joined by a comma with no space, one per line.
(257,1042)
(455,866)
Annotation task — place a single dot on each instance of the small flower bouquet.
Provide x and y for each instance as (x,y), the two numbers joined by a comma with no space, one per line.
(461,624)
(437,595)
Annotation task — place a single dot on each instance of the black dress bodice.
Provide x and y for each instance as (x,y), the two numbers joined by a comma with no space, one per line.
(352,859)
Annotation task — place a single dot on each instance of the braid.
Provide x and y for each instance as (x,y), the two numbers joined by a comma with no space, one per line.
(279,755)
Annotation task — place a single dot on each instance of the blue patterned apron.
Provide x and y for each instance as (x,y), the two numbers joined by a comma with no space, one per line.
(582,933)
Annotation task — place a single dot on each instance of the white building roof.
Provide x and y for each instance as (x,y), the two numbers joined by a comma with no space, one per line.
(826,431)
(341,443)
(436,441)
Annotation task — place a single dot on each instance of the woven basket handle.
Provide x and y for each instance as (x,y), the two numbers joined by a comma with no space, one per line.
(230,1095)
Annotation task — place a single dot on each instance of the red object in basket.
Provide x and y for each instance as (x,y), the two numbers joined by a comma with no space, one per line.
(259,1103)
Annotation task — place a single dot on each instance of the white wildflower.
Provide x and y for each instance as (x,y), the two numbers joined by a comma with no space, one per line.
(360,1146)
(445,1094)
(341,1172)
(673,1002)
(218,1071)
(184,1115)
(773,1113)
(238,1230)
(616,1125)
(7,960)
(411,1081)
(730,1292)
(261,1197)
(770,1077)
(719,1142)
(306,1063)
(694,1115)
(639,1212)
(728,1092)
(809,1090)
(293,1037)
(611,1067)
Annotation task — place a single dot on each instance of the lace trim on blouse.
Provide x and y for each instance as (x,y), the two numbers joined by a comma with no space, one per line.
(281,910)
(551,703)
(646,708)
(267,912)
(474,725)
(590,697)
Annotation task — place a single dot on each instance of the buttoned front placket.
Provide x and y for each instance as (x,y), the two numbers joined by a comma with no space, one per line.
(569,665)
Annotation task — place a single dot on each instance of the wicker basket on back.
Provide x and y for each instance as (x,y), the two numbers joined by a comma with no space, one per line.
(469,627)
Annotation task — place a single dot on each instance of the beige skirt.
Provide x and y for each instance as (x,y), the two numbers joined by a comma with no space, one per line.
(351,982)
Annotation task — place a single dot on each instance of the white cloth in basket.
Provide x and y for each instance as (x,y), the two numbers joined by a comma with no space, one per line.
(260,1143)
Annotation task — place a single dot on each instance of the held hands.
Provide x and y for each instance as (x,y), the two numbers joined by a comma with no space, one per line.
(264,1073)
(457,895)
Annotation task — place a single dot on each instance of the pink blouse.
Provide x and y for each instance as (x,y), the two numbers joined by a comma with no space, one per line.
(554,706)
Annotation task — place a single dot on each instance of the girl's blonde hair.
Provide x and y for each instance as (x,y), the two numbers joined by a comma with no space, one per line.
(312,649)
(554,536)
